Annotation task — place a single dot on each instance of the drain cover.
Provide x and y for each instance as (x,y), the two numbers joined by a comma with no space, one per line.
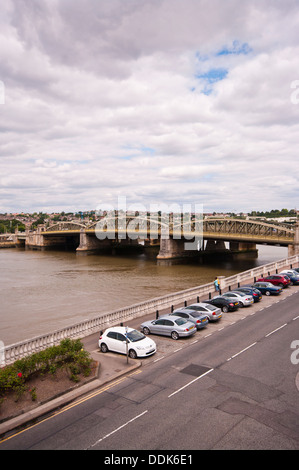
(195,369)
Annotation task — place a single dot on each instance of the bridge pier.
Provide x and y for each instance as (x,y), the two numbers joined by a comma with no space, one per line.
(38,241)
(235,250)
(171,249)
(215,245)
(241,249)
(35,240)
(91,244)
(294,248)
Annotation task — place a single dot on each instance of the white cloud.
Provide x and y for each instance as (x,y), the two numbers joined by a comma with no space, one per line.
(157,100)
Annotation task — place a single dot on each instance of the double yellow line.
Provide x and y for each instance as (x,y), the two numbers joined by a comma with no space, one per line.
(75,403)
(94,394)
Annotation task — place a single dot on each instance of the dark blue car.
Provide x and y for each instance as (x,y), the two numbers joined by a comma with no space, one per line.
(256,293)
(266,288)
(294,278)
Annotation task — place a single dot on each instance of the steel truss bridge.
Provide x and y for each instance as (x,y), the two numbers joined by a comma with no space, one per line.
(224,229)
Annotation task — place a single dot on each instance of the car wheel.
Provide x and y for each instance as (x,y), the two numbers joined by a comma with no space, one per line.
(268,292)
(174,335)
(132,354)
(224,309)
(280,285)
(104,348)
(146,331)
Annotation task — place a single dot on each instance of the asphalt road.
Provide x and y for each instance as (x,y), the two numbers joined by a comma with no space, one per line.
(230,386)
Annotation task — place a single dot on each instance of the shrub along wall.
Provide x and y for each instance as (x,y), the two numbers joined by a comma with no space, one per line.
(68,354)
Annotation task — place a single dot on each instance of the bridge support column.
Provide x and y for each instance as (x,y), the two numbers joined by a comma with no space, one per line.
(210,245)
(16,241)
(241,246)
(294,248)
(91,244)
(35,240)
(83,246)
(171,248)
(241,249)
(215,245)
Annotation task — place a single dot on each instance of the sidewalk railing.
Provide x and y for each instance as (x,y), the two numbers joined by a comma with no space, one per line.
(82,329)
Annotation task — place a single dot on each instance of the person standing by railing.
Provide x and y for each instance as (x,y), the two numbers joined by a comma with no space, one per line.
(217,284)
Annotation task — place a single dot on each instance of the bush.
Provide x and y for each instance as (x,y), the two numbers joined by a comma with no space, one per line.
(69,354)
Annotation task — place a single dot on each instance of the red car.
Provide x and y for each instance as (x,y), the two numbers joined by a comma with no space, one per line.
(276,280)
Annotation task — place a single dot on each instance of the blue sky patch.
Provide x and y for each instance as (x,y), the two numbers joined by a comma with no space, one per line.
(213,75)
(216,74)
(209,78)
(136,151)
(237,48)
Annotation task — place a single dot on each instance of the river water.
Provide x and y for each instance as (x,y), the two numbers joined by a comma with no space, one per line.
(42,291)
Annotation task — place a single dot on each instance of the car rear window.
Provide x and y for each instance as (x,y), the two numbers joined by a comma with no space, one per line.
(209,307)
(112,334)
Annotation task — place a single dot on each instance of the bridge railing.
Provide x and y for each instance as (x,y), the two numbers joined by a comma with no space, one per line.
(16,351)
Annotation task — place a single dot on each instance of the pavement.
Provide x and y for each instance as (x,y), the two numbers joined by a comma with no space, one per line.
(110,367)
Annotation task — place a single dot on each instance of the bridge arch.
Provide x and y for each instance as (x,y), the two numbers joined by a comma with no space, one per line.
(255,231)
(65,225)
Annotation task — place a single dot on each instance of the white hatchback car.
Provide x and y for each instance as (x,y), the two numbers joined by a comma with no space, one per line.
(121,339)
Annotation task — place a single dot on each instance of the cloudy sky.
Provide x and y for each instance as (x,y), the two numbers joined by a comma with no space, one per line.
(156,101)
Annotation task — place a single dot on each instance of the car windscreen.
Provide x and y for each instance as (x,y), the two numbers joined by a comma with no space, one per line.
(135,336)
(180,321)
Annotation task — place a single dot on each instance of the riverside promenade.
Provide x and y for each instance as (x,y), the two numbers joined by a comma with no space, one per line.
(155,306)
(113,367)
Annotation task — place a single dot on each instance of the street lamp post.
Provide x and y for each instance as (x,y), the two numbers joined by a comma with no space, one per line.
(127,345)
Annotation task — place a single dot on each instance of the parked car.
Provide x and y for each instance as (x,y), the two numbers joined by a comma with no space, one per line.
(276,279)
(296,269)
(213,313)
(225,304)
(267,288)
(256,294)
(292,275)
(199,320)
(121,339)
(169,325)
(289,271)
(245,300)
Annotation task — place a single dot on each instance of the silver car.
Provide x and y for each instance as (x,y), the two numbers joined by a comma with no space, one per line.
(169,325)
(213,313)
(244,299)
(199,319)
